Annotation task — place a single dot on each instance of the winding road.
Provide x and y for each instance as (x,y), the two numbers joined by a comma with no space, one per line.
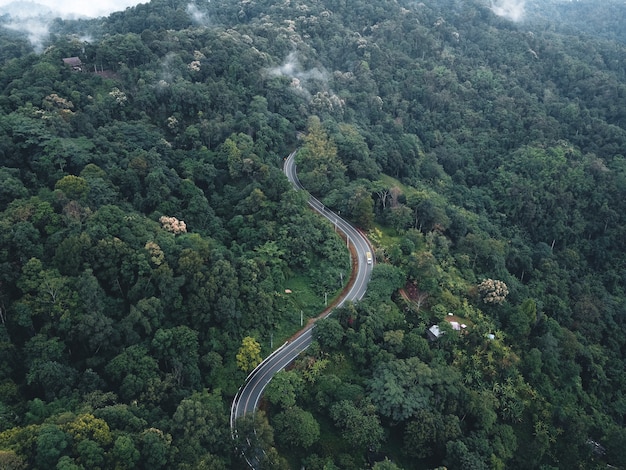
(249,394)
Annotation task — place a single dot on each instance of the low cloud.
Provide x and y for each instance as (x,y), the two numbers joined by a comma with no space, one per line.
(33,18)
(300,77)
(30,19)
(312,84)
(69,9)
(198,16)
(35,29)
(513,10)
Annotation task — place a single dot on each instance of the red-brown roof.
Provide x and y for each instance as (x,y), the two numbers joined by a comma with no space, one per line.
(72,61)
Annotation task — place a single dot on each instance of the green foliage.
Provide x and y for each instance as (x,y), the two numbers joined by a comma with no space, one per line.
(319,166)
(296,427)
(51,442)
(154,448)
(428,432)
(394,391)
(200,425)
(12,186)
(328,333)
(386,279)
(249,355)
(360,425)
(124,453)
(284,389)
(386,465)
(483,149)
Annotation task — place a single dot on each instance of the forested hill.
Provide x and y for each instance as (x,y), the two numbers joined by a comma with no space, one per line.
(151,250)
(588,17)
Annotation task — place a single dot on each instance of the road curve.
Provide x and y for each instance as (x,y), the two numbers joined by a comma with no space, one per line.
(248,396)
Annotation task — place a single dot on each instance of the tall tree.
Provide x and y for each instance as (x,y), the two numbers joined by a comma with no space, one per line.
(319,166)
(249,355)
(296,427)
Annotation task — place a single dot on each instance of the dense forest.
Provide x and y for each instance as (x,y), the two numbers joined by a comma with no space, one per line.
(152,251)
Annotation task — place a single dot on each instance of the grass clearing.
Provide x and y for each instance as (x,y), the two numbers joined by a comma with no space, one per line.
(302,304)
(303,295)
(384,236)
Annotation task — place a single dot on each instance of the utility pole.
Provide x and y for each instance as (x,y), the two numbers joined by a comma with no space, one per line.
(326,299)
(301,317)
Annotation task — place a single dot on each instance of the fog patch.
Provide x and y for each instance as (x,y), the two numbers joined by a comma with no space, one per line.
(513,10)
(30,19)
(198,16)
(301,79)
(70,9)
(33,19)
(311,84)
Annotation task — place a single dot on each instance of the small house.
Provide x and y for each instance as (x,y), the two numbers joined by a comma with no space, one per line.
(74,62)
(435,332)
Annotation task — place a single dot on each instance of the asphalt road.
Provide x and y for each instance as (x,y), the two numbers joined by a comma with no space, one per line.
(248,396)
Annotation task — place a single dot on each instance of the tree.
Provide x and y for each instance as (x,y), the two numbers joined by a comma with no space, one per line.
(90,454)
(394,341)
(52,378)
(296,427)
(97,333)
(360,425)
(615,438)
(12,187)
(9,460)
(521,320)
(386,279)
(73,187)
(231,152)
(328,332)
(386,465)
(70,254)
(25,242)
(401,387)
(177,348)
(428,432)
(121,417)
(51,443)
(133,369)
(400,218)
(429,214)
(87,427)
(319,166)
(172,224)
(200,424)
(361,208)
(354,152)
(249,355)
(459,456)
(154,447)
(424,268)
(41,348)
(493,292)
(124,453)
(254,434)
(284,387)
(223,288)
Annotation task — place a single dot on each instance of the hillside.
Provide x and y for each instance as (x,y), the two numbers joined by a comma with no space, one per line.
(149,238)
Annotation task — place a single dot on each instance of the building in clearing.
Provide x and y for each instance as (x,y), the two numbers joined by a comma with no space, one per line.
(435,332)
(74,62)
